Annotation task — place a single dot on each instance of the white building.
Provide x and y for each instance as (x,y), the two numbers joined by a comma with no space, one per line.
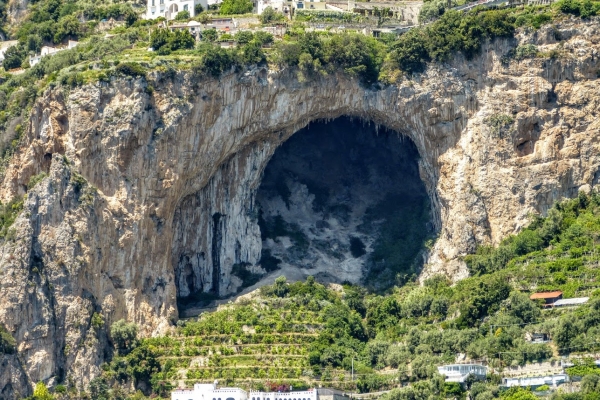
(170,8)
(536,381)
(459,372)
(49,50)
(203,391)
(277,5)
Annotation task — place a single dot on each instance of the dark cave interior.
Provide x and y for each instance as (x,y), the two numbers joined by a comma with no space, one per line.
(343,201)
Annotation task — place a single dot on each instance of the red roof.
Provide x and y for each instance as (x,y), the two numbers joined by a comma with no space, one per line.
(546,295)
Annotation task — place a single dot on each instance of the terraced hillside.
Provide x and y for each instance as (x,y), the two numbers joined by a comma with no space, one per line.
(257,339)
(307,335)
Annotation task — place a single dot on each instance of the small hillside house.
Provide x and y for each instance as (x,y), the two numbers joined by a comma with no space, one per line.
(459,372)
(536,381)
(549,297)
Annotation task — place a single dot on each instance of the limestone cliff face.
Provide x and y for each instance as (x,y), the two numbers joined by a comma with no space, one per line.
(150,196)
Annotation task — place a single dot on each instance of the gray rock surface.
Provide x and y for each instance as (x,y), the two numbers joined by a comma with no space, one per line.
(143,186)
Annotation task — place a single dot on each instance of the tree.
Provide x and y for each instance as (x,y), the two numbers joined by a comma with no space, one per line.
(280,288)
(269,15)
(198,8)
(143,362)
(354,298)
(453,389)
(41,392)
(13,57)
(244,37)
(98,389)
(182,39)
(183,15)
(124,336)
(229,7)
(68,26)
(215,61)
(432,10)
(590,384)
(210,35)
(203,18)
(356,54)
(410,51)
(263,37)
(517,393)
(164,40)
(7,342)
(527,241)
(564,335)
(34,43)
(383,314)
(519,305)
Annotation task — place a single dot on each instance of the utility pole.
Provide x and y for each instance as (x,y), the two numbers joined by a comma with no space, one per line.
(352,375)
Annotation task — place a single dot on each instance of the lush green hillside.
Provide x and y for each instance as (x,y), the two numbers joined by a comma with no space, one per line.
(305,334)
(98,58)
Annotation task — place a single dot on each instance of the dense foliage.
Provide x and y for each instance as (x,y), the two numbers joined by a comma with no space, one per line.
(236,7)
(52,22)
(305,334)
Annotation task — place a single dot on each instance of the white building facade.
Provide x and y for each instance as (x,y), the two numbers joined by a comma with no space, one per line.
(537,381)
(203,391)
(49,50)
(460,372)
(170,8)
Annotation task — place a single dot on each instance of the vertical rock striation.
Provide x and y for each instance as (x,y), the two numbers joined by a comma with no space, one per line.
(150,196)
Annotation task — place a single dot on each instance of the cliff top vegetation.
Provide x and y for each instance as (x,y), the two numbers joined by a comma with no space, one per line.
(373,61)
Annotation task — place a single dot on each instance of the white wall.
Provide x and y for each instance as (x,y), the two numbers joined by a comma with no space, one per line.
(160,8)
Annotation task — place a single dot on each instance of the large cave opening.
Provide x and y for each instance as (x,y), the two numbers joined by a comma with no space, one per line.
(343,201)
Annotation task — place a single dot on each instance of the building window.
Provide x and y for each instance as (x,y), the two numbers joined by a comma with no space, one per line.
(185,7)
(153,3)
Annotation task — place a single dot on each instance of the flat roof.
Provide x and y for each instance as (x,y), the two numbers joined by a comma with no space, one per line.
(545,295)
(463,365)
(571,302)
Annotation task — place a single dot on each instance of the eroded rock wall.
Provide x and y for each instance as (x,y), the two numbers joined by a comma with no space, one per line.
(143,185)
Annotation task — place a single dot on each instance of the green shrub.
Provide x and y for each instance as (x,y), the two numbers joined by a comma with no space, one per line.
(97,321)
(210,35)
(270,15)
(8,214)
(229,7)
(35,179)
(8,344)
(124,336)
(182,15)
(131,69)
(499,124)
(164,41)
(214,61)
(525,51)
(41,392)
